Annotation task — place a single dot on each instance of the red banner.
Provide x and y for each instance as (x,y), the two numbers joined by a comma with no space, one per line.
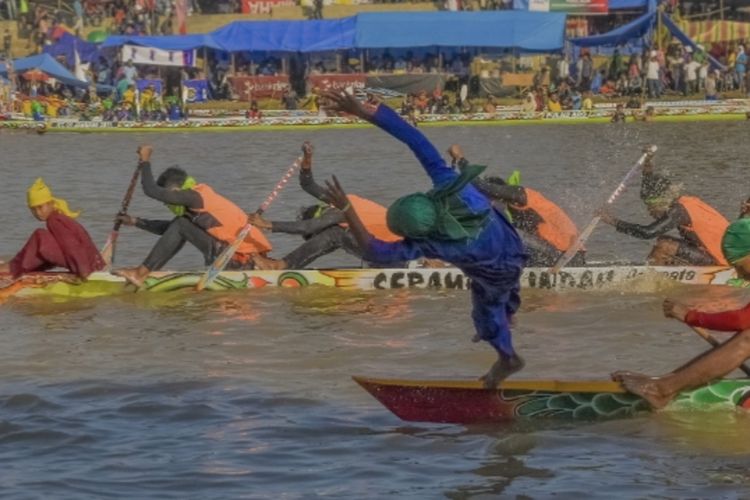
(247,88)
(337,81)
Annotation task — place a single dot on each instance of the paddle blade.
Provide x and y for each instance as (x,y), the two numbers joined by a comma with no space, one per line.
(222,260)
(108,251)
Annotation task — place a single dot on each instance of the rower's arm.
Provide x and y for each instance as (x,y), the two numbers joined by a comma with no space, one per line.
(185,197)
(515,195)
(306,228)
(308,184)
(728,321)
(649,232)
(428,156)
(157,227)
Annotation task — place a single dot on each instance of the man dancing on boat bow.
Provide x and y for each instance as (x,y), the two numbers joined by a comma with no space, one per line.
(453,222)
(204,218)
(718,362)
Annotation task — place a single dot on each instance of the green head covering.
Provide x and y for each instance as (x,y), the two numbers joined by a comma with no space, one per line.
(439,214)
(179,210)
(736,241)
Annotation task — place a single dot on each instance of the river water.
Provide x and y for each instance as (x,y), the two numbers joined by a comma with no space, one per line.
(248,395)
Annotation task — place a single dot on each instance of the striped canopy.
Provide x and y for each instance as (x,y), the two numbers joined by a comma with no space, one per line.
(715,31)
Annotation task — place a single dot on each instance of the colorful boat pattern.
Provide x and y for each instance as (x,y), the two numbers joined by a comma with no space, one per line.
(468,402)
(582,278)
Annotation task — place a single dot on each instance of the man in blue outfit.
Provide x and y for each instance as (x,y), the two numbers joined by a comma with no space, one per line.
(453,222)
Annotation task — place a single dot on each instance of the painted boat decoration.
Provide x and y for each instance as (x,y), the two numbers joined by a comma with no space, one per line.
(581,278)
(468,402)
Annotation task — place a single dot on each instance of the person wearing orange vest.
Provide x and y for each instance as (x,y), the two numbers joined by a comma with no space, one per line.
(323,226)
(545,228)
(204,218)
(699,225)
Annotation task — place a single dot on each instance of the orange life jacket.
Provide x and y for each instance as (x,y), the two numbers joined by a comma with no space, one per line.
(373,217)
(231,220)
(707,224)
(556,227)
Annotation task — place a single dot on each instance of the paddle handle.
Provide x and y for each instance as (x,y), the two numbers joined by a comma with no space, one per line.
(586,233)
(128,196)
(714,342)
(223,259)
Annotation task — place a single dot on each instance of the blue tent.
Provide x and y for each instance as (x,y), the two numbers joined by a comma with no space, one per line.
(47,64)
(66,46)
(627,4)
(171,42)
(286,36)
(527,31)
(637,28)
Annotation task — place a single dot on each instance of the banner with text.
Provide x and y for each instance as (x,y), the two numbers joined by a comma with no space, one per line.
(580,7)
(247,88)
(337,81)
(158,57)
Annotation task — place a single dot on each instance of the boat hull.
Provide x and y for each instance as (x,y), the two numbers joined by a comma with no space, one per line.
(468,402)
(582,278)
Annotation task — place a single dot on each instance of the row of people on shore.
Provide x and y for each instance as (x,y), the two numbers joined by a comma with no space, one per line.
(460,222)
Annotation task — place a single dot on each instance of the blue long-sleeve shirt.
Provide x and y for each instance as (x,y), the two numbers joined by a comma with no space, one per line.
(497,247)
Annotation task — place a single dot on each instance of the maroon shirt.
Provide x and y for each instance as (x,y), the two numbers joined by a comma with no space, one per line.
(65,243)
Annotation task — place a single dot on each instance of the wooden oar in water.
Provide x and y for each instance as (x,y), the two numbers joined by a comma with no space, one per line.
(108,251)
(714,342)
(586,233)
(222,260)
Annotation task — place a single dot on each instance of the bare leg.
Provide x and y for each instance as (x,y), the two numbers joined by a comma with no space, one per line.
(659,391)
(135,275)
(501,369)
(663,252)
(268,264)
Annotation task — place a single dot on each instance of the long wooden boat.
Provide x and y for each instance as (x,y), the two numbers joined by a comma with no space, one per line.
(468,402)
(575,278)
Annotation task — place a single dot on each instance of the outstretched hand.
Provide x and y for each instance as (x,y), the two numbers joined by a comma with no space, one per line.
(335,193)
(307,155)
(606,217)
(340,101)
(144,153)
(675,310)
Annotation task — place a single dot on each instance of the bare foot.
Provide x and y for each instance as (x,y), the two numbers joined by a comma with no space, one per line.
(476,338)
(135,276)
(502,369)
(644,386)
(618,375)
(266,264)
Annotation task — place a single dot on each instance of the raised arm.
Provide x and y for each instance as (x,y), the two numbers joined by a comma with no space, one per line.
(388,120)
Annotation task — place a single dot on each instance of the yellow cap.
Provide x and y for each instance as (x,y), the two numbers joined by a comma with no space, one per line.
(39,194)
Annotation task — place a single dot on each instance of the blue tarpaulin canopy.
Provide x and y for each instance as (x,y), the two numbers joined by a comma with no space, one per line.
(286,36)
(171,42)
(66,46)
(528,31)
(637,28)
(47,64)
(627,4)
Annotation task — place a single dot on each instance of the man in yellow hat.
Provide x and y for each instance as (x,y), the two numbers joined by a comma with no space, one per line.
(65,243)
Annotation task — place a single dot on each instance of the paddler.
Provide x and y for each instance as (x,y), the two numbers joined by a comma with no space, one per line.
(453,222)
(700,226)
(323,226)
(718,362)
(204,218)
(545,228)
(65,243)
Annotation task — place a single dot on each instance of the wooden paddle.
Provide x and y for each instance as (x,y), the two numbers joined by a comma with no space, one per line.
(108,252)
(714,342)
(586,233)
(223,259)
